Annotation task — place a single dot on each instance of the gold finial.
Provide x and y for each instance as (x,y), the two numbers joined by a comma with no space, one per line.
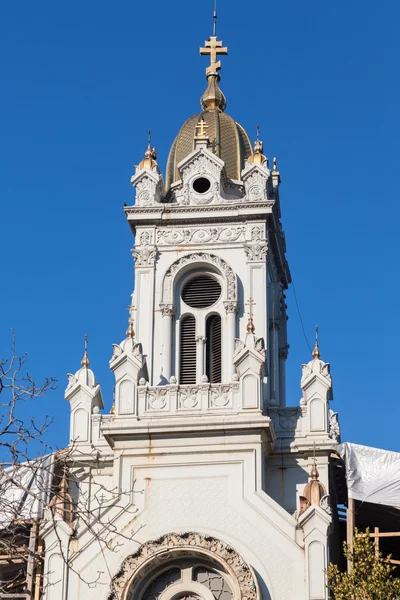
(250,324)
(130,332)
(213,98)
(150,159)
(85,360)
(257,157)
(200,129)
(275,165)
(316,353)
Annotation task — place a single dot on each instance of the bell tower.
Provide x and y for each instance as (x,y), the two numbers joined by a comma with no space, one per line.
(210,266)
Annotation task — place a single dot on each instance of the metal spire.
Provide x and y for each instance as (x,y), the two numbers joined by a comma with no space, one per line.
(85,360)
(316,353)
(215,19)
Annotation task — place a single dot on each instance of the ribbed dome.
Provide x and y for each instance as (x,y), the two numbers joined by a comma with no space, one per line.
(228,140)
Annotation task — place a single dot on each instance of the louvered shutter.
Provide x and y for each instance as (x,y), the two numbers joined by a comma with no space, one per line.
(213,349)
(201,292)
(188,351)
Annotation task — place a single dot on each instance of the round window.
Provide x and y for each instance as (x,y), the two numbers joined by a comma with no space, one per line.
(201,185)
(201,291)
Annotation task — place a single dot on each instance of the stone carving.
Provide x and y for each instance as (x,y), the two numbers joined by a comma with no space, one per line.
(201,165)
(256,187)
(334,427)
(231,307)
(202,235)
(167,310)
(325,504)
(220,395)
(161,551)
(256,234)
(257,251)
(188,397)
(145,257)
(259,345)
(286,418)
(316,366)
(156,398)
(145,238)
(148,189)
(239,345)
(200,257)
(283,352)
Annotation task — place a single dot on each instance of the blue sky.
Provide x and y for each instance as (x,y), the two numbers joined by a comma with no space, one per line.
(81,82)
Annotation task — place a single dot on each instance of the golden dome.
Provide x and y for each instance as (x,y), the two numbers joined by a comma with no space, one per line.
(227,139)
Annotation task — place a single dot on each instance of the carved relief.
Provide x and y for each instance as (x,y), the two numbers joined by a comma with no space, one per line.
(334,427)
(256,234)
(202,235)
(200,257)
(167,310)
(188,397)
(256,189)
(231,307)
(256,251)
(163,550)
(156,399)
(145,238)
(286,418)
(220,396)
(145,257)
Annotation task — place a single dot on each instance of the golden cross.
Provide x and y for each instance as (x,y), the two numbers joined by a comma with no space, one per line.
(213,48)
(202,125)
(250,324)
(250,303)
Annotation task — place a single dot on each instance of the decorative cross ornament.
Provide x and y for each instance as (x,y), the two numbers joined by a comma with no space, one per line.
(250,324)
(213,48)
(200,128)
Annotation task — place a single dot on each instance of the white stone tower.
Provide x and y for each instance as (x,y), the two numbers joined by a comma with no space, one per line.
(200,445)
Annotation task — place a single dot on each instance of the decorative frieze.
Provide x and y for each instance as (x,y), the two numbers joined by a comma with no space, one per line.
(200,235)
(285,418)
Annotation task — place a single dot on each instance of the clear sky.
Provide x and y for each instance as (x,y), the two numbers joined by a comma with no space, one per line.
(81,82)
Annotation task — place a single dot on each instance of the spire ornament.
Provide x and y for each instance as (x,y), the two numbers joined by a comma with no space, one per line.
(150,159)
(258,157)
(85,360)
(250,324)
(130,332)
(316,353)
(213,98)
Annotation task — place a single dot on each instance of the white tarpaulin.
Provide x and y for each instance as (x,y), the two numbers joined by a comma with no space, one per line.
(372,474)
(25,489)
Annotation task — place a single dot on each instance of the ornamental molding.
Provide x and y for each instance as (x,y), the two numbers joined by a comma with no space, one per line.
(199,257)
(145,257)
(257,251)
(256,186)
(157,553)
(175,208)
(200,235)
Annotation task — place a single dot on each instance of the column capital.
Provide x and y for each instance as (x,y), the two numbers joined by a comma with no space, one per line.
(231,307)
(167,310)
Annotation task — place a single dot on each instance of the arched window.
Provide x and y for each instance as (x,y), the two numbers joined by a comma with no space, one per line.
(213,349)
(188,351)
(200,302)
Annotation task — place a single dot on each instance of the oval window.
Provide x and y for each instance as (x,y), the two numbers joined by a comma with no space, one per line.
(201,185)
